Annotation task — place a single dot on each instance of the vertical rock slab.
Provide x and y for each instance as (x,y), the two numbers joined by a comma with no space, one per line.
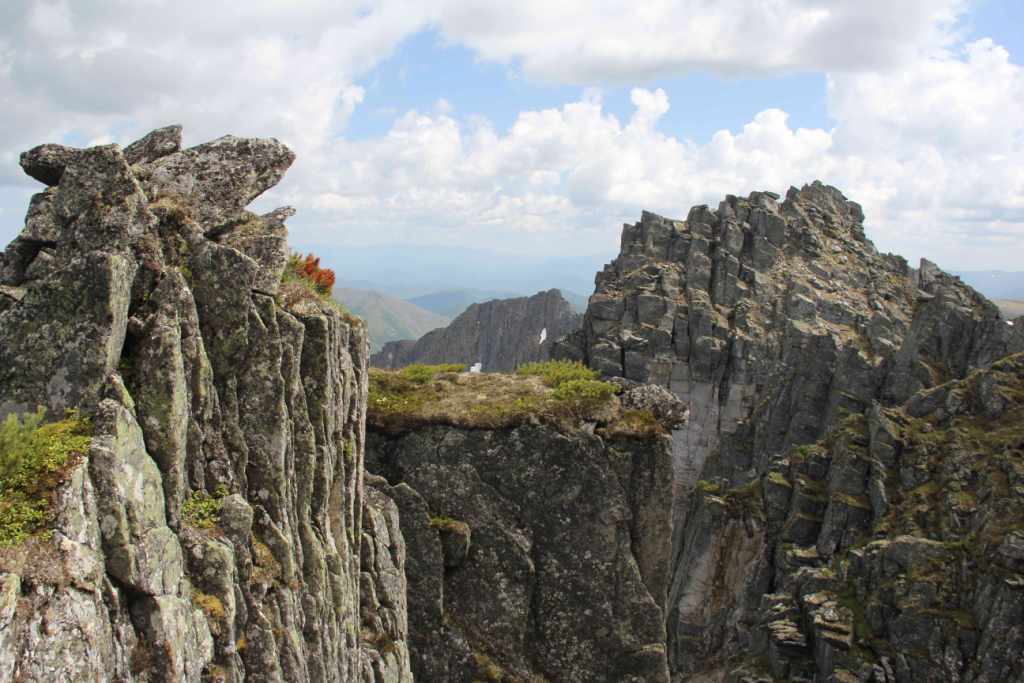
(566,569)
(214,531)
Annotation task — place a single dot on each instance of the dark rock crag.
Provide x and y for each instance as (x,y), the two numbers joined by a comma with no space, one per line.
(772,321)
(500,335)
(534,552)
(141,293)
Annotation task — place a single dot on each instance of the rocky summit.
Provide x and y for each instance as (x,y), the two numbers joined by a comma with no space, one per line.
(773,321)
(500,335)
(213,529)
(767,452)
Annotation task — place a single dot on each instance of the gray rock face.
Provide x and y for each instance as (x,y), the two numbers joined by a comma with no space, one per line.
(896,542)
(771,321)
(500,334)
(533,553)
(141,293)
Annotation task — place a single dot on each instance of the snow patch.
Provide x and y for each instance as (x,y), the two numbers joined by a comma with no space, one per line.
(476,367)
(1010,323)
(543,335)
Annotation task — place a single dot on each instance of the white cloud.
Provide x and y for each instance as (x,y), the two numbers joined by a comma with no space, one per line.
(931,151)
(581,41)
(928,138)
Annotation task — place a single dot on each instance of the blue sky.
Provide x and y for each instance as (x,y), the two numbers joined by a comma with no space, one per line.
(537,130)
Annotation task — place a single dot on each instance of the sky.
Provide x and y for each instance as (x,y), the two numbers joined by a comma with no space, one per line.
(537,128)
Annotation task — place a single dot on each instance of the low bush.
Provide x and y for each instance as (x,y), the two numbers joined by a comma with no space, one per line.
(554,373)
(34,461)
(582,397)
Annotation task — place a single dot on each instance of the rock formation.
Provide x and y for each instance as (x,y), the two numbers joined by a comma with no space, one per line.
(846,501)
(142,294)
(771,321)
(500,335)
(536,550)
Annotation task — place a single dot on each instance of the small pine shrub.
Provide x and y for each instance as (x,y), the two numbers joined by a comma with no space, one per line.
(34,460)
(554,373)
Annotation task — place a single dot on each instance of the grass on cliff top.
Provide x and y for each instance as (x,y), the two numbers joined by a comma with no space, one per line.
(34,461)
(557,392)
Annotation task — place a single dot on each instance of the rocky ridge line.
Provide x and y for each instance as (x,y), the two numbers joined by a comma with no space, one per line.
(500,335)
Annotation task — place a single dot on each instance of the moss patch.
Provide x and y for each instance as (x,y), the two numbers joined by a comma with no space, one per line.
(35,459)
(202,510)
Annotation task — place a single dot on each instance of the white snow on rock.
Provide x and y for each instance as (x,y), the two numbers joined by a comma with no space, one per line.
(543,335)
(476,367)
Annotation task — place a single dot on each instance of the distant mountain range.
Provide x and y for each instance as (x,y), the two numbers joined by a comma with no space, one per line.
(995,284)
(388,318)
(452,302)
(411,271)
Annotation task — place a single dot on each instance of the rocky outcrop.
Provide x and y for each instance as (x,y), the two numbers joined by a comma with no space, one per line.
(771,320)
(143,294)
(500,335)
(534,552)
(897,542)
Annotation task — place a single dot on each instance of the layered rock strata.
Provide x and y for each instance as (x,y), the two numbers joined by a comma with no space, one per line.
(142,293)
(500,335)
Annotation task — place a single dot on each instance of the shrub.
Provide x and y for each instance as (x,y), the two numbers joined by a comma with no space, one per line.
(308,268)
(581,397)
(554,373)
(34,461)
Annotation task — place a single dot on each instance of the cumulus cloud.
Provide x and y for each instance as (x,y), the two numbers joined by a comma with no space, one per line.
(953,192)
(926,133)
(581,41)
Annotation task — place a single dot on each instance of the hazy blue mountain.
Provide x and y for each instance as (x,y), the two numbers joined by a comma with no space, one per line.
(452,302)
(388,318)
(1011,308)
(995,284)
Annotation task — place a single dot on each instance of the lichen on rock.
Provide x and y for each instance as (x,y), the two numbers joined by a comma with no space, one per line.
(141,293)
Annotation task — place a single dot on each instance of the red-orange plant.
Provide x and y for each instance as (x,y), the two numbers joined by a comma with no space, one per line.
(308,268)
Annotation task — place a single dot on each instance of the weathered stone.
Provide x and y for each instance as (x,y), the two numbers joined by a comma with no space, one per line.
(59,344)
(218,179)
(46,163)
(153,145)
(533,593)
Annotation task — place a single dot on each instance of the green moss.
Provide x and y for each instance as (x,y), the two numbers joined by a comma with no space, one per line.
(637,422)
(443,523)
(709,487)
(34,461)
(202,510)
(779,480)
(859,502)
(488,670)
(554,373)
(210,604)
